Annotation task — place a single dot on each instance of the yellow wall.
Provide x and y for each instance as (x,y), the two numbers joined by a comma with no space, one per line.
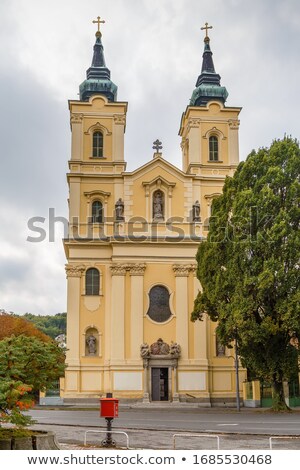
(129,268)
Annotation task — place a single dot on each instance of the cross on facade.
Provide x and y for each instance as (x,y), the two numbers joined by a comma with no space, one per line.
(206,27)
(98,21)
(157,145)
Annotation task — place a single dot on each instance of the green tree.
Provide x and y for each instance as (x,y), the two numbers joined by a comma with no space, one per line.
(249,266)
(27,365)
(51,325)
(11,324)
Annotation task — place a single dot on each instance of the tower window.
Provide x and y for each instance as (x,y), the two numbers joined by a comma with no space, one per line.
(97,144)
(97,212)
(92,281)
(213,149)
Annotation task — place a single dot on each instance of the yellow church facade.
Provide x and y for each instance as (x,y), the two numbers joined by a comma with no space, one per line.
(133,237)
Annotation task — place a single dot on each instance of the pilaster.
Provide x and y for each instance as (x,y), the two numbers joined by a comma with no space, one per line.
(76,121)
(117,341)
(182,314)
(233,141)
(118,137)
(74,274)
(194,141)
(136,321)
(200,328)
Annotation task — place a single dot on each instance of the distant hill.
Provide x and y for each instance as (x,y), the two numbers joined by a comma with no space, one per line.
(50,325)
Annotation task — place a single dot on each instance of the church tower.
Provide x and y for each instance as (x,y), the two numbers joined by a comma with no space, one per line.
(133,237)
(209,132)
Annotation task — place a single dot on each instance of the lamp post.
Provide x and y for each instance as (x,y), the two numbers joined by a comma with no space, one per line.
(236,366)
(236,363)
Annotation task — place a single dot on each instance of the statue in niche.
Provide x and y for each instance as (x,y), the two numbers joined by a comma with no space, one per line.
(220,348)
(119,208)
(196,212)
(160,348)
(158,203)
(91,343)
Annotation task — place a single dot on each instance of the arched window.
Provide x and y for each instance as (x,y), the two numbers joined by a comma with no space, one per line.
(97,212)
(159,308)
(213,148)
(97,144)
(92,281)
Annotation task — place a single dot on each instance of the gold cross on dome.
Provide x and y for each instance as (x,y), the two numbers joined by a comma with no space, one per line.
(206,27)
(98,21)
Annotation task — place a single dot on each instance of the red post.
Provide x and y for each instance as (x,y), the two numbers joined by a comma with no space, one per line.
(109,409)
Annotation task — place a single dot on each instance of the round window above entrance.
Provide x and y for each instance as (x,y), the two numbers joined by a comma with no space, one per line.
(159,304)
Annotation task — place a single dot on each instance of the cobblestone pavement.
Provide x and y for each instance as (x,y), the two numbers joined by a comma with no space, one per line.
(72,437)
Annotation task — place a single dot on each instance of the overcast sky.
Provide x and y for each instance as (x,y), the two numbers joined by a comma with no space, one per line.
(154,51)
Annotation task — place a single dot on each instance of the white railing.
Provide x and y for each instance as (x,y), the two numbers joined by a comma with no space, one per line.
(105,432)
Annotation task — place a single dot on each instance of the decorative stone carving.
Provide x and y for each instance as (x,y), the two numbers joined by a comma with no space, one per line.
(175,349)
(118,269)
(214,131)
(137,269)
(209,197)
(147,190)
(119,208)
(194,122)
(160,348)
(98,193)
(234,124)
(76,118)
(181,270)
(193,269)
(74,270)
(145,350)
(98,127)
(183,143)
(196,212)
(119,120)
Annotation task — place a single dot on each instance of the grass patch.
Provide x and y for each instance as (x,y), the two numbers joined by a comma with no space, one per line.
(6,433)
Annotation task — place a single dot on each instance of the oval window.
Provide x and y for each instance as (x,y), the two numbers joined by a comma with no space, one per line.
(159,308)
